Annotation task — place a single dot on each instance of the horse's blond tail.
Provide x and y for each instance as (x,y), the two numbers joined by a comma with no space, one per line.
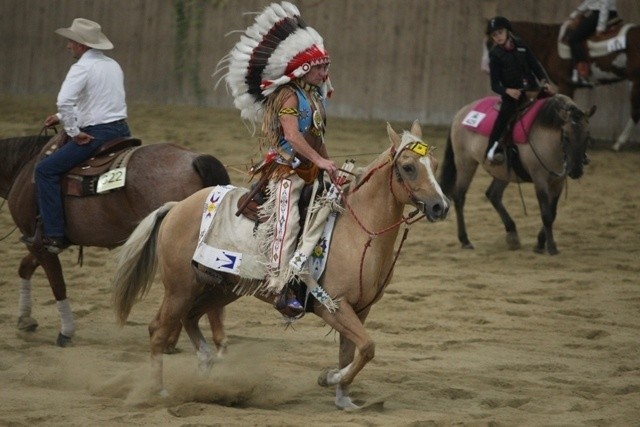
(137,263)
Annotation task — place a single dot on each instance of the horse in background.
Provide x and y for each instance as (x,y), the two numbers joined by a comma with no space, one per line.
(613,67)
(555,148)
(155,174)
(359,264)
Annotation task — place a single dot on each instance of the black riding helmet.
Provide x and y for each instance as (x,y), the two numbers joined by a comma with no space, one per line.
(498,23)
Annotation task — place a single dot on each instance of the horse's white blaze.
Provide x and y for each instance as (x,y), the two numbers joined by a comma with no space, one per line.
(426,161)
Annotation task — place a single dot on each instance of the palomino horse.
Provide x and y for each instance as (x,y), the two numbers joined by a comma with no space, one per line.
(555,148)
(358,267)
(156,174)
(610,68)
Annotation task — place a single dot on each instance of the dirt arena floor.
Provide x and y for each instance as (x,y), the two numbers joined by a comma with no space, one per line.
(488,337)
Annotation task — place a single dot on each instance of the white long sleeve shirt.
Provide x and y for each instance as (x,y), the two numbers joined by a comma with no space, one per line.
(602,6)
(92,93)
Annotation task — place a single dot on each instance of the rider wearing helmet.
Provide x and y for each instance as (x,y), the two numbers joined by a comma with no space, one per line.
(513,70)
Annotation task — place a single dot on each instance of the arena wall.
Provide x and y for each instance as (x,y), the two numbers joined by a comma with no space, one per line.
(391,59)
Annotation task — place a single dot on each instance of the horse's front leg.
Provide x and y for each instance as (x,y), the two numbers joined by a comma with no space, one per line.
(494,193)
(28,265)
(352,335)
(548,208)
(52,268)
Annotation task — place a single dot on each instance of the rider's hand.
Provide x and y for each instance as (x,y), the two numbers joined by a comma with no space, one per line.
(52,120)
(514,93)
(82,138)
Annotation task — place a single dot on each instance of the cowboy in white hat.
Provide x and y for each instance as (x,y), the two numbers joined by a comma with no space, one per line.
(92,108)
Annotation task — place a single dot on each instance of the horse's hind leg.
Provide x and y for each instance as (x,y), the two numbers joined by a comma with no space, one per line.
(494,193)
(216,321)
(465,172)
(161,329)
(28,265)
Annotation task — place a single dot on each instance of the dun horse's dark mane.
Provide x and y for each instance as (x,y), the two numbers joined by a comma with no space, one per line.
(16,151)
(549,114)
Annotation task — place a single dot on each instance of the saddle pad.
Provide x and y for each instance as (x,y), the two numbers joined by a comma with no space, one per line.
(482,116)
(596,48)
(234,248)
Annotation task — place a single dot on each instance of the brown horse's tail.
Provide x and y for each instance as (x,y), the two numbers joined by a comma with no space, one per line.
(448,170)
(211,171)
(137,263)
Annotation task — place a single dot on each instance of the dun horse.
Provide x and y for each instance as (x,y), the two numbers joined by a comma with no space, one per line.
(617,66)
(555,148)
(156,174)
(359,265)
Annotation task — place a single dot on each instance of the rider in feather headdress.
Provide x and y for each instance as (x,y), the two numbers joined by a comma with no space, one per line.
(278,76)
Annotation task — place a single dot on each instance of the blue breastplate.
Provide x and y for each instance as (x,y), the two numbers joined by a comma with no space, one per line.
(305,119)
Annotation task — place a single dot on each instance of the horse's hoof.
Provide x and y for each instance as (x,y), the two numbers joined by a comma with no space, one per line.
(27,324)
(467,246)
(513,241)
(63,340)
(538,250)
(553,251)
(346,404)
(172,350)
(328,377)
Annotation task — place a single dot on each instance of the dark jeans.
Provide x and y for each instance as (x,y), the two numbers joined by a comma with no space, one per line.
(507,111)
(586,27)
(49,170)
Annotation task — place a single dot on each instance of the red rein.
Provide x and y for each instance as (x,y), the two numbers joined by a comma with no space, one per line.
(373,234)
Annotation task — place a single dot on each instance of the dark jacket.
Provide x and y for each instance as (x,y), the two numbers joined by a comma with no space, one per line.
(516,68)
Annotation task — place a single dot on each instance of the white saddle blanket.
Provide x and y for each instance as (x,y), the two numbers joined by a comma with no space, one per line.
(228,243)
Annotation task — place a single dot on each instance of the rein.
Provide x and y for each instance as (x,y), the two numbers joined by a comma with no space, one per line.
(563,140)
(409,220)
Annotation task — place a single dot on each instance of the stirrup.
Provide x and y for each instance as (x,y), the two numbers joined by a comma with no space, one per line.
(495,156)
(288,306)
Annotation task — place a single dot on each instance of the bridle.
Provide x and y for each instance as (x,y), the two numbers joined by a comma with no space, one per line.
(419,148)
(565,143)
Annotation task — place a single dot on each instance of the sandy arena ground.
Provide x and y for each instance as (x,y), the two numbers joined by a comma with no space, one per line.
(488,337)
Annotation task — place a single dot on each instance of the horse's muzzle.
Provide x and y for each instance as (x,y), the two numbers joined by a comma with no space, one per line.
(434,211)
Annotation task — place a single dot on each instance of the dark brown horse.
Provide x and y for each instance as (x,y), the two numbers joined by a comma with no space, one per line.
(614,67)
(156,173)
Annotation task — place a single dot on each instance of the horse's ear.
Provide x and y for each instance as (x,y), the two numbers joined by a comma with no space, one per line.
(416,129)
(393,136)
(591,111)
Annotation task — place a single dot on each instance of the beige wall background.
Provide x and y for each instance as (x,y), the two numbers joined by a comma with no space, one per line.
(391,59)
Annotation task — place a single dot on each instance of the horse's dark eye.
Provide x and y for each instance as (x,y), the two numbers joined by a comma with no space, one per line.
(408,168)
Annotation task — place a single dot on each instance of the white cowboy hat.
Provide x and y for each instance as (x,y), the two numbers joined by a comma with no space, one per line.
(86,32)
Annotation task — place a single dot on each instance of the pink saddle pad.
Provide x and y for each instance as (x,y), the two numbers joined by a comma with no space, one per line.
(482,116)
